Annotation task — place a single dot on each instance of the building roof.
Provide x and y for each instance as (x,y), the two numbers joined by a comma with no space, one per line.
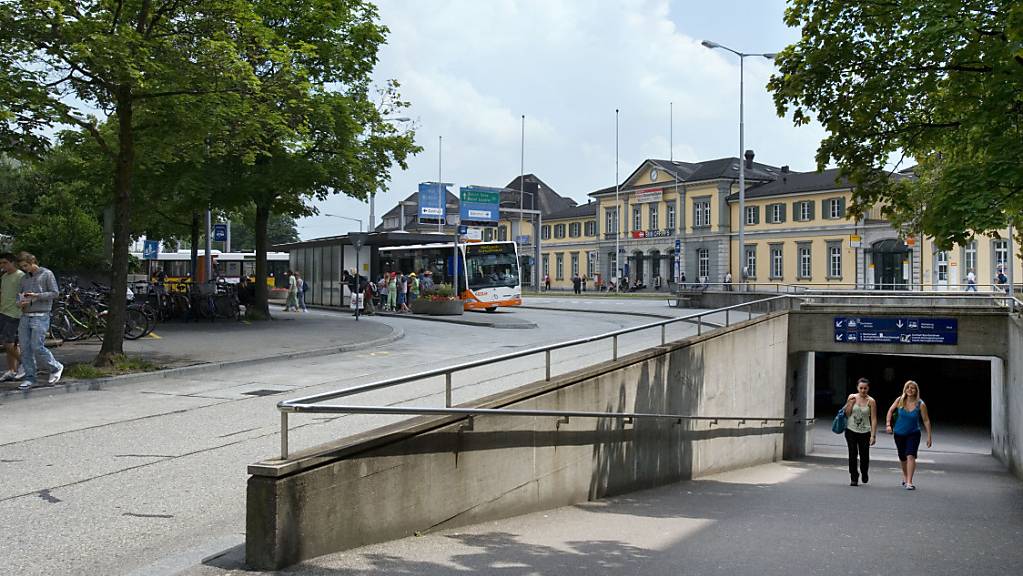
(688,172)
(797,182)
(581,211)
(548,201)
(411,207)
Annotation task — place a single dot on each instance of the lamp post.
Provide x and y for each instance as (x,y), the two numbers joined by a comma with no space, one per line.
(742,149)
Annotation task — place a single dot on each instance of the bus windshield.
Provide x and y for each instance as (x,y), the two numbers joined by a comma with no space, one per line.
(491,265)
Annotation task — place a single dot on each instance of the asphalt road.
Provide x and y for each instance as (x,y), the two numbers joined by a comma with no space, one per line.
(148,478)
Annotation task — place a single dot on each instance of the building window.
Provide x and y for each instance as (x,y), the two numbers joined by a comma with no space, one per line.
(671,215)
(701,214)
(1001,255)
(575,230)
(805,262)
(575,264)
(941,265)
(546,265)
(776,213)
(971,257)
(752,215)
(591,227)
(612,263)
(751,261)
(502,233)
(559,230)
(637,218)
(591,263)
(777,268)
(488,234)
(611,221)
(703,260)
(545,232)
(559,266)
(655,222)
(834,208)
(835,260)
(804,211)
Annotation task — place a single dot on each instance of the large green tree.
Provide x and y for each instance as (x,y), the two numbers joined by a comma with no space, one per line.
(936,82)
(280,229)
(62,62)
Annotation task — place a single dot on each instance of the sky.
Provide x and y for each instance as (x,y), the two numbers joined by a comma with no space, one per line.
(472,68)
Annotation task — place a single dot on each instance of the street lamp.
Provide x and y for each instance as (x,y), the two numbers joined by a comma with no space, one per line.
(347,218)
(742,149)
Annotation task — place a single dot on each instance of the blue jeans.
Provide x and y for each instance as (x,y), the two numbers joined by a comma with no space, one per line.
(32,339)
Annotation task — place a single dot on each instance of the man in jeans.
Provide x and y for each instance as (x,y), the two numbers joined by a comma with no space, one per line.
(38,291)
(10,315)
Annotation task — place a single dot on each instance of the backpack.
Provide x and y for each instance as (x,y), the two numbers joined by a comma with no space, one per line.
(305,286)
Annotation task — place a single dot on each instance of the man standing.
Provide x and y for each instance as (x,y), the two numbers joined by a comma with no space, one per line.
(38,291)
(10,315)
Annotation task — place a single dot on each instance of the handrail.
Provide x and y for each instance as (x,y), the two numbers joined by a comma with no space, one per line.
(310,404)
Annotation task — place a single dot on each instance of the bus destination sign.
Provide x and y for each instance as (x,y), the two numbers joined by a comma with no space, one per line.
(896,330)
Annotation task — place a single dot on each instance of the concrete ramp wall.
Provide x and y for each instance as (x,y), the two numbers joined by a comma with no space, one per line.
(433,473)
(1007,401)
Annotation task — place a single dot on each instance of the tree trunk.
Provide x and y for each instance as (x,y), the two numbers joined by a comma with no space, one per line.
(260,309)
(113,339)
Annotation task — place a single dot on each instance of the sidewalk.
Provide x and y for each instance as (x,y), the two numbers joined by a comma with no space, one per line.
(175,346)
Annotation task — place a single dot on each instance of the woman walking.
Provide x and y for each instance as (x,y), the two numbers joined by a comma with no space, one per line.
(292,302)
(392,293)
(860,431)
(909,411)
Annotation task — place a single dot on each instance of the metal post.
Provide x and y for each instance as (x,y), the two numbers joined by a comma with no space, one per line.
(440,183)
(742,170)
(447,390)
(227,244)
(663,331)
(614,347)
(699,325)
(547,362)
(284,435)
(356,293)
(727,317)
(209,245)
(618,223)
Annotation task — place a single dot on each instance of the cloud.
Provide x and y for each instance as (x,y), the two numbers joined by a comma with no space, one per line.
(472,68)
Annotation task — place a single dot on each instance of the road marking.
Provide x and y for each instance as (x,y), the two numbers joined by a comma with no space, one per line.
(154,336)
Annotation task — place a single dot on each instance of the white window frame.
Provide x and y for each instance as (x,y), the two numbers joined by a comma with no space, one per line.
(804,211)
(637,218)
(611,220)
(777,262)
(545,232)
(546,265)
(970,256)
(701,210)
(703,262)
(654,217)
(751,215)
(751,261)
(941,265)
(575,230)
(805,262)
(590,228)
(1000,249)
(776,213)
(575,264)
(835,261)
(559,230)
(559,266)
(834,208)
(671,215)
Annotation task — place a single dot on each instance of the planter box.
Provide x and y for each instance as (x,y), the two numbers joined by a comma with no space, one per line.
(442,308)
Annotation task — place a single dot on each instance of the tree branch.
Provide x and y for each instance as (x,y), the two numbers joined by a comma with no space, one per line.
(149,95)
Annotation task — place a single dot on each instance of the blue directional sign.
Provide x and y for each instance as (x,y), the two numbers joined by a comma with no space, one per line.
(480,206)
(431,202)
(151,250)
(896,330)
(220,232)
(463,230)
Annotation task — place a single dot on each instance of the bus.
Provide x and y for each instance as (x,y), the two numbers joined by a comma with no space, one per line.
(488,272)
(229,266)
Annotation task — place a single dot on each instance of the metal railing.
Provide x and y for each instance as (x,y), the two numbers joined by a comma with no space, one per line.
(310,404)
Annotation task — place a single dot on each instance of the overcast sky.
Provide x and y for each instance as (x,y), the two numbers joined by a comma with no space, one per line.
(471,68)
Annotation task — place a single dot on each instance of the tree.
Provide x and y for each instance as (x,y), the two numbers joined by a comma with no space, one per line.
(60,60)
(938,82)
(281,229)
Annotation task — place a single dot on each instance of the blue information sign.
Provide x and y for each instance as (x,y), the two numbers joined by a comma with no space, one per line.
(463,230)
(431,202)
(896,330)
(151,250)
(480,206)
(220,232)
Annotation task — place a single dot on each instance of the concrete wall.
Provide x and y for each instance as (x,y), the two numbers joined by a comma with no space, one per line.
(1007,402)
(433,473)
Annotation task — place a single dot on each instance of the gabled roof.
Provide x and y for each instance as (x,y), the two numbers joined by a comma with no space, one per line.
(580,211)
(798,182)
(689,172)
(547,200)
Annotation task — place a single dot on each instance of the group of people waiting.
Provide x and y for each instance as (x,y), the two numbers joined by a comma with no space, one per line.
(395,291)
(27,293)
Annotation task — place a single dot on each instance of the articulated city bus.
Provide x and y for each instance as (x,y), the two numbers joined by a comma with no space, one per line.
(488,272)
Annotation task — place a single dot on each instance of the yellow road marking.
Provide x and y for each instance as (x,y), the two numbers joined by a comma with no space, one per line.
(154,336)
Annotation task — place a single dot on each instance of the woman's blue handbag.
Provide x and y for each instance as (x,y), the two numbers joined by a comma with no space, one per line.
(838,425)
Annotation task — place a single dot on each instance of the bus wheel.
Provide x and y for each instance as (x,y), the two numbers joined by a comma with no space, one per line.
(491,309)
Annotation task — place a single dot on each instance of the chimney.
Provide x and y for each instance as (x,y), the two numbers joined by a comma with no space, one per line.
(785,169)
(749,159)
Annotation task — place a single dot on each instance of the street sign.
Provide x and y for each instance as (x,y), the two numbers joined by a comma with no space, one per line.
(522,239)
(480,205)
(151,250)
(220,232)
(463,229)
(432,196)
(855,241)
(896,330)
(357,238)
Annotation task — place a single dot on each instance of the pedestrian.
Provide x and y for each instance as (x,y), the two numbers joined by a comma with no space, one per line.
(10,316)
(909,411)
(860,431)
(392,292)
(1002,280)
(413,289)
(402,293)
(368,295)
(38,290)
(682,280)
(971,281)
(584,283)
(547,282)
(657,282)
(303,287)
(426,284)
(728,281)
(292,302)
(577,283)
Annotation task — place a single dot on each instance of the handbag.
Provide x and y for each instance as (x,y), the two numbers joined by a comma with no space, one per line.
(838,424)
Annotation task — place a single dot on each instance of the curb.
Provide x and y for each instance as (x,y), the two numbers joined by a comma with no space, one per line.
(107,381)
(623,313)
(483,324)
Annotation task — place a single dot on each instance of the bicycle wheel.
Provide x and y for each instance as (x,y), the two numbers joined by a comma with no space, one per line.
(150,313)
(136,324)
(60,326)
(179,304)
(226,307)
(77,329)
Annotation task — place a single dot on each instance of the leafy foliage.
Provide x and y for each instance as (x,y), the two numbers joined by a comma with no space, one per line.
(937,81)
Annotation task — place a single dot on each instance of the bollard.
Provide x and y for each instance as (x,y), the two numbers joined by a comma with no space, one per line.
(547,355)
(447,390)
(699,325)
(284,435)
(614,347)
(663,330)
(726,317)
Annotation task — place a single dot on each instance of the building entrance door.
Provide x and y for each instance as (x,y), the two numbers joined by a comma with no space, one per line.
(888,258)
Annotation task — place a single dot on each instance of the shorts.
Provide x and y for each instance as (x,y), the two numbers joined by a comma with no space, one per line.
(907,445)
(8,329)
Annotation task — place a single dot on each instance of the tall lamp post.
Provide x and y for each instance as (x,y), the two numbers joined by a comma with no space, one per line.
(742,149)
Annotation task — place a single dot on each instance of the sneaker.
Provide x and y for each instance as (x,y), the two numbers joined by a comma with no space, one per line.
(910,487)
(6,376)
(19,376)
(25,385)
(55,376)
(903,483)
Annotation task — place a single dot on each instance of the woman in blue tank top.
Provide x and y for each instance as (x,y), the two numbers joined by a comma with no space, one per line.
(910,412)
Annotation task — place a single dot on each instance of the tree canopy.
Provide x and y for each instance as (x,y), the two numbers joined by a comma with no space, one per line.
(935,82)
